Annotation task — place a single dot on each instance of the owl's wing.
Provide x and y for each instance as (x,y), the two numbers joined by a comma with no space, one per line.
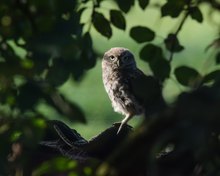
(148,91)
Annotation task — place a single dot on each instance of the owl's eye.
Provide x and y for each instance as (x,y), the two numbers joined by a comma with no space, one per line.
(112,57)
(125,59)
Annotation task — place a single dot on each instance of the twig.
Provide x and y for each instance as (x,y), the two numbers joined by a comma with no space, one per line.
(176,33)
(94,6)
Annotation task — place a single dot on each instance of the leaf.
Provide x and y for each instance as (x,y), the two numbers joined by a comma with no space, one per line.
(217,59)
(196,14)
(84,1)
(186,76)
(80,11)
(87,40)
(77,70)
(58,73)
(158,64)
(28,96)
(142,34)
(102,25)
(172,43)
(55,165)
(117,19)
(161,68)
(172,9)
(40,60)
(87,57)
(211,76)
(150,52)
(143,3)
(70,110)
(67,5)
(215,44)
(125,6)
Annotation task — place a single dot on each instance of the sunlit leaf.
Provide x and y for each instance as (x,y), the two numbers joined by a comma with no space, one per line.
(186,76)
(88,171)
(55,165)
(142,34)
(196,14)
(101,24)
(117,19)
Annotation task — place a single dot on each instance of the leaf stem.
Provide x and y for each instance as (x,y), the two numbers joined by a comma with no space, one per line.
(176,33)
(94,5)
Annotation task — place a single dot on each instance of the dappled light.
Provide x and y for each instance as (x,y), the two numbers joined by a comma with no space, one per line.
(56,119)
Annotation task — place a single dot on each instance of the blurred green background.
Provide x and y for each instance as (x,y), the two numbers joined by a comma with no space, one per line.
(90,95)
(50,69)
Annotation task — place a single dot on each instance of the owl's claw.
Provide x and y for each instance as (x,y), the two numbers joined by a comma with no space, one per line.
(120,127)
(124,121)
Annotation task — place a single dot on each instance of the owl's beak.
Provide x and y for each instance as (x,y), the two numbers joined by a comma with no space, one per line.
(118,63)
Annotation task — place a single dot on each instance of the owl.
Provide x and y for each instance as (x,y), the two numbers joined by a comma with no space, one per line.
(131,92)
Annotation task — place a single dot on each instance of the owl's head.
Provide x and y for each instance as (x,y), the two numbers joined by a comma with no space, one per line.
(119,58)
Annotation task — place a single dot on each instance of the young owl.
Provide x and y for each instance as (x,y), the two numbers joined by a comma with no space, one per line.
(130,91)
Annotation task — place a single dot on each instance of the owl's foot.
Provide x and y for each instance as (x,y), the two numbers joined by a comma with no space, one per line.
(120,127)
(123,122)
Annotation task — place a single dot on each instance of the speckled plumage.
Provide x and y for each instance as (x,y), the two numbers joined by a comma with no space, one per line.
(117,86)
(128,88)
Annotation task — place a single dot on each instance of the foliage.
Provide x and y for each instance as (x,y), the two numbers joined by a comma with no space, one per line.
(57,47)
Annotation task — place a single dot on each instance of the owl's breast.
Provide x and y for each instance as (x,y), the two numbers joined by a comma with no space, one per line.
(120,93)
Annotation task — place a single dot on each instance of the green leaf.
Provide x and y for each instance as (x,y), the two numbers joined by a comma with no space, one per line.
(40,60)
(217,59)
(143,3)
(161,68)
(187,76)
(211,76)
(84,1)
(117,19)
(102,25)
(70,110)
(87,57)
(150,52)
(172,43)
(58,73)
(87,40)
(172,9)
(77,70)
(196,14)
(28,96)
(55,165)
(142,34)
(158,64)
(125,6)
